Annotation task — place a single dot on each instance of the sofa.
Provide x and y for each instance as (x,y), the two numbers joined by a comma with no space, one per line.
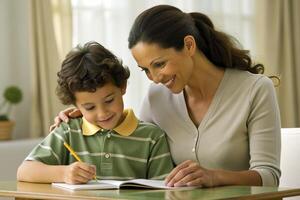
(12,153)
(290,162)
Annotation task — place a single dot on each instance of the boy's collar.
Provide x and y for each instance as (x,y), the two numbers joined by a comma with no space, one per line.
(126,128)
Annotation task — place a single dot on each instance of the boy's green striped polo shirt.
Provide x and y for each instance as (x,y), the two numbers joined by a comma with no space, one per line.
(134,149)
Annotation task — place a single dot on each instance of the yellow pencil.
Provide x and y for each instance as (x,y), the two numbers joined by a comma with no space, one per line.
(75,155)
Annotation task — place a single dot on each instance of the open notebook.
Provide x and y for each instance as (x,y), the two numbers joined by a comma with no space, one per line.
(113,184)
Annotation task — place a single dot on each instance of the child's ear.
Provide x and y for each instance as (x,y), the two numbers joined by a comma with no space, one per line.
(123,88)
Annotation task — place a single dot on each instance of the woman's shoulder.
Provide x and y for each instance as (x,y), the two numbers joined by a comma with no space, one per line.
(243,84)
(236,76)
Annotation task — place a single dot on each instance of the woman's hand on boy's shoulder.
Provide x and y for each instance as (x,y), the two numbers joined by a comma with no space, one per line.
(64,116)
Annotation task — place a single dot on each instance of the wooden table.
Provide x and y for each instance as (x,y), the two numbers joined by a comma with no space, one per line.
(22,190)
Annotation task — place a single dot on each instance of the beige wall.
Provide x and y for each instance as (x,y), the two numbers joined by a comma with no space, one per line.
(14,59)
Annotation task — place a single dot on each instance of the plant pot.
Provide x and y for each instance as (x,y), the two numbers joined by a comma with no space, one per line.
(6,128)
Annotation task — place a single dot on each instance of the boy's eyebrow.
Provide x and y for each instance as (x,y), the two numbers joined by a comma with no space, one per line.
(111,94)
(87,104)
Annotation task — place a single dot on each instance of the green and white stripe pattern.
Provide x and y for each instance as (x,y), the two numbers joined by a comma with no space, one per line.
(143,154)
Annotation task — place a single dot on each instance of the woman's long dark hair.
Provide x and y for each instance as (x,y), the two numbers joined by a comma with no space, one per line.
(167,26)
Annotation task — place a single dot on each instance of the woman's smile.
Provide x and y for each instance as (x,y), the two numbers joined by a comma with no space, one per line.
(169,83)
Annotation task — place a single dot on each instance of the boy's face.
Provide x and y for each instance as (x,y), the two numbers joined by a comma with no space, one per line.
(104,107)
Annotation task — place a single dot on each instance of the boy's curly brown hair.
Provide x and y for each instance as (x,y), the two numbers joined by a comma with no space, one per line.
(88,68)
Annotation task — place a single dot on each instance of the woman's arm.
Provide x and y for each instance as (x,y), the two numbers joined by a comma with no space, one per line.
(264,130)
(35,171)
(247,177)
(190,173)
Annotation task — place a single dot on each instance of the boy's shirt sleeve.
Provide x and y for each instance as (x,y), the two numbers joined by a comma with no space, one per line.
(51,150)
(160,163)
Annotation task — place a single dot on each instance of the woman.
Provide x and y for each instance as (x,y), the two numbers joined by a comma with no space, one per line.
(221,116)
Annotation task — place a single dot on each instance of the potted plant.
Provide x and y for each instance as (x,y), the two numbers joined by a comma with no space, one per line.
(12,95)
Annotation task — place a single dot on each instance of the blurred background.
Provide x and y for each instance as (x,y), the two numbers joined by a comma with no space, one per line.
(35,36)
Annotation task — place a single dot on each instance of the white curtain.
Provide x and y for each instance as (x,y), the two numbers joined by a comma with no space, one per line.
(109,22)
(50,38)
(278,46)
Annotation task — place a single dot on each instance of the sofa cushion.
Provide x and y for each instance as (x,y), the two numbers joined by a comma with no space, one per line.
(12,154)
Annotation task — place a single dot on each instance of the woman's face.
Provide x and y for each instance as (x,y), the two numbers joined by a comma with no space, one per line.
(166,66)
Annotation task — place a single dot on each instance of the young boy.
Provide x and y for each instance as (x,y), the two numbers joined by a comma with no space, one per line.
(111,142)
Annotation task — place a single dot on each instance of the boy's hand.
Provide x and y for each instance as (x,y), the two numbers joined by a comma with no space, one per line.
(79,172)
